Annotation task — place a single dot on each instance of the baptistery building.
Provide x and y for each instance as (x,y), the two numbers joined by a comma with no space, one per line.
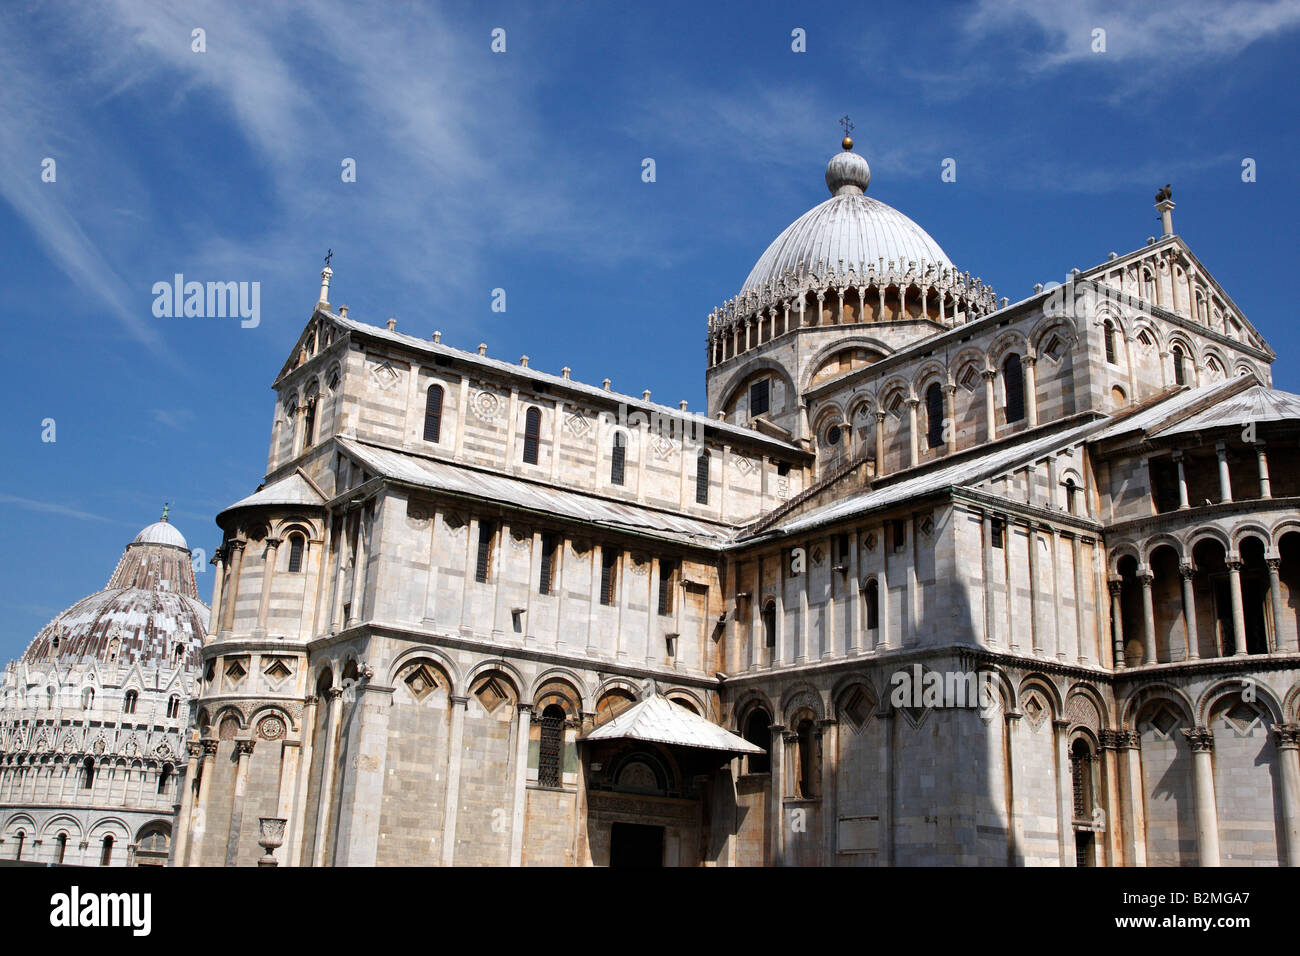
(93,716)
(937,577)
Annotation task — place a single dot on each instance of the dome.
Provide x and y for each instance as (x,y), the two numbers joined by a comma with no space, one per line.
(161,532)
(847,230)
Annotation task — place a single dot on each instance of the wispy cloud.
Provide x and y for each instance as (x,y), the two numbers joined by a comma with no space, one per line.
(177,418)
(52,507)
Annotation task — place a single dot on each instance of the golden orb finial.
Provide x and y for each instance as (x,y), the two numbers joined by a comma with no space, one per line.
(847,125)
(847,142)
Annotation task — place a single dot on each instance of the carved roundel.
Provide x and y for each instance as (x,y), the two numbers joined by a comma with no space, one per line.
(270,728)
(486,405)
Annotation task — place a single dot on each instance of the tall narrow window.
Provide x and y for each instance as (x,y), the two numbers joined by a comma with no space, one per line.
(547,577)
(433,413)
(807,763)
(1081,773)
(757,732)
(934,415)
(164,777)
(486,532)
(129,701)
(702,478)
(1013,381)
(550,746)
(1180,369)
(997,531)
(532,434)
(88,698)
(617,458)
(88,773)
(1071,495)
(1108,335)
(898,532)
(667,576)
(296,543)
(106,854)
(309,423)
(608,574)
(759,397)
(22,837)
(769,624)
(173,706)
(60,847)
(873,604)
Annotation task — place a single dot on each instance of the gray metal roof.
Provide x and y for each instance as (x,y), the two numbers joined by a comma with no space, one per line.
(658,720)
(458,479)
(1255,405)
(290,491)
(1150,418)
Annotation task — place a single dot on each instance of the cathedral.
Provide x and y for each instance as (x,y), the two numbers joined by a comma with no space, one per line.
(937,578)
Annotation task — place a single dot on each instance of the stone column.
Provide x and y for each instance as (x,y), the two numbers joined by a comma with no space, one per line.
(1031,391)
(1064,794)
(986,535)
(243,751)
(293,851)
(497,578)
(520,786)
(1281,642)
(201,809)
(451,798)
(803,633)
(754,656)
(218,581)
(184,818)
(950,416)
(342,552)
(913,446)
(359,572)
(596,552)
(1110,747)
(1187,572)
(236,565)
(1080,629)
(1225,480)
(1148,618)
(880,443)
(333,717)
(1117,621)
(778,651)
(268,575)
(1182,480)
(1135,825)
(1287,739)
(1265,489)
(854,610)
(1201,740)
(829,762)
(1035,586)
(990,404)
(1235,565)
(361,788)
(429,617)
(776,795)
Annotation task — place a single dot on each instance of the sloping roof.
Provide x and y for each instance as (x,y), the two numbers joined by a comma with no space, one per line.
(290,491)
(1186,402)
(444,476)
(1257,404)
(658,720)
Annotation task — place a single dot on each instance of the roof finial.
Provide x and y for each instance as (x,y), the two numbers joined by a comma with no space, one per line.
(1165,206)
(166,508)
(847,125)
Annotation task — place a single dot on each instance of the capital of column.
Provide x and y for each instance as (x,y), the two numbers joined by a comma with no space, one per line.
(1030,360)
(218,557)
(1061,725)
(1114,586)
(989,374)
(1201,739)
(776,728)
(948,388)
(274,542)
(1222,449)
(459,701)
(1129,740)
(912,402)
(194,749)
(880,417)
(244,747)
(1147,577)
(789,738)
(1176,454)
(334,693)
(236,546)
(1274,564)
(1109,739)
(1287,736)
(827,723)
(524,708)
(311,700)
(1235,564)
(209,747)
(1187,570)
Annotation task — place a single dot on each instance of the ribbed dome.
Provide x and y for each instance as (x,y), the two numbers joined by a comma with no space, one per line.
(161,532)
(849,229)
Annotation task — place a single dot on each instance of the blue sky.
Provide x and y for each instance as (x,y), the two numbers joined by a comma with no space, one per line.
(522,170)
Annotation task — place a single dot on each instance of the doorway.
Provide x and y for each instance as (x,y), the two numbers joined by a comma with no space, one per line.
(636,845)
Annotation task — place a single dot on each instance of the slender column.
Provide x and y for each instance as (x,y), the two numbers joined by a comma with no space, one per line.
(854,610)
(1182,480)
(913,446)
(472,530)
(1201,740)
(778,652)
(1035,586)
(776,795)
(452,794)
(754,653)
(268,575)
(218,581)
(243,751)
(333,718)
(184,818)
(521,779)
(1287,738)
(498,579)
(1261,459)
(950,416)
(236,565)
(322,576)
(1117,621)
(596,552)
(829,760)
(1280,641)
(1188,572)
(1064,795)
(342,554)
(1135,824)
(990,405)
(1080,629)
(828,609)
(652,611)
(1235,565)
(1148,618)
(986,533)
(880,443)
(1110,745)
(359,572)
(1225,480)
(293,854)
(201,809)
(429,616)
(1031,390)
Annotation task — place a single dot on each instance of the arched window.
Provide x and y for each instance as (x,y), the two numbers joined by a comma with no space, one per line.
(807,762)
(1180,366)
(758,732)
(433,413)
(769,624)
(178,653)
(88,773)
(617,458)
(1014,383)
(22,837)
(1108,334)
(872,597)
(550,746)
(1148,285)
(1071,495)
(129,702)
(173,706)
(88,698)
(296,545)
(60,847)
(106,853)
(702,478)
(532,434)
(309,423)
(934,415)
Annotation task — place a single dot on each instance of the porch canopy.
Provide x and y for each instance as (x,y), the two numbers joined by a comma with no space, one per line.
(656,719)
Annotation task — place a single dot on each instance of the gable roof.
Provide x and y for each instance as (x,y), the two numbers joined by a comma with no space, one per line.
(1255,405)
(291,491)
(658,720)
